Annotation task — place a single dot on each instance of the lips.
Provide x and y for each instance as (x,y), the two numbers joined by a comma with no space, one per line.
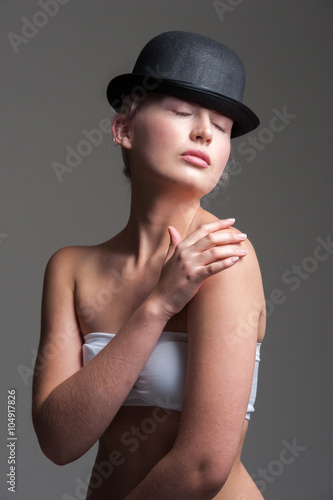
(197,157)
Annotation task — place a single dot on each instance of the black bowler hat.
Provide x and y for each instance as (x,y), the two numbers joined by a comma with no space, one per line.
(194,68)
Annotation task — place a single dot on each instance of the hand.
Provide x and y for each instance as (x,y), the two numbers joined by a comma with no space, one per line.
(205,252)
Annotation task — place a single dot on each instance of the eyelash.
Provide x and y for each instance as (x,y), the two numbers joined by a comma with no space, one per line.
(184,115)
(179,113)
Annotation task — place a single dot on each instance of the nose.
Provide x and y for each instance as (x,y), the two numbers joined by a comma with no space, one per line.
(202,129)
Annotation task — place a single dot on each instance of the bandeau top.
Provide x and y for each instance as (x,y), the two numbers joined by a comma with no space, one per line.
(162,380)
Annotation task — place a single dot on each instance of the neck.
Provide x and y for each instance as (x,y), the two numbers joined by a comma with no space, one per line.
(152,211)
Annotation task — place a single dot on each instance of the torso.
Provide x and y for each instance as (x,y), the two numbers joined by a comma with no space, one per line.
(107,290)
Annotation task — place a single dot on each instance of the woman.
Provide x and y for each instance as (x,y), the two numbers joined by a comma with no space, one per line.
(170,312)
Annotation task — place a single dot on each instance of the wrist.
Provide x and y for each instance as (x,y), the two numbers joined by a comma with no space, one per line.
(155,307)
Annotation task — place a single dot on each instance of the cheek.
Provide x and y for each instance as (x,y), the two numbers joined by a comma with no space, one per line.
(221,159)
(150,142)
(161,132)
(151,132)
(155,140)
(223,156)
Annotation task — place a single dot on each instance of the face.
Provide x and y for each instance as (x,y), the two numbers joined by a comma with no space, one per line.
(180,142)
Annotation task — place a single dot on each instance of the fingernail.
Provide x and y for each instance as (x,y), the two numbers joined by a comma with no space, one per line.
(234,259)
(242,236)
(231,220)
(243,252)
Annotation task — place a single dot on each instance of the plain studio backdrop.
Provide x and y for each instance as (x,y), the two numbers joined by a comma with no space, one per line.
(62,184)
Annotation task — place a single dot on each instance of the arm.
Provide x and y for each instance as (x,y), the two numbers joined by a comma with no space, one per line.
(223,320)
(74,405)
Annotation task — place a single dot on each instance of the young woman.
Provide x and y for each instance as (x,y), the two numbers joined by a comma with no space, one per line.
(150,341)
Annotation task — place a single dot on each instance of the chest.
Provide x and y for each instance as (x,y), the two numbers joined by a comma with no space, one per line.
(104,302)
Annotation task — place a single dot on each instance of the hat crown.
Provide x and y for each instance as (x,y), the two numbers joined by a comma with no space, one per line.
(194,59)
(192,67)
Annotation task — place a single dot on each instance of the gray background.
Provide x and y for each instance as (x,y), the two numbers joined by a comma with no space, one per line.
(54,87)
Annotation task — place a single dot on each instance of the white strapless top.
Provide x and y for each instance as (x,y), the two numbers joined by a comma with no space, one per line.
(162,380)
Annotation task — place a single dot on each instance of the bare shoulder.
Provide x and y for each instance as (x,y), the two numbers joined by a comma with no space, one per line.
(206,217)
(69,259)
(251,258)
(239,284)
(65,255)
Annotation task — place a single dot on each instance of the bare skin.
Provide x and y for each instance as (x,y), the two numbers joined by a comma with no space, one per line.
(142,444)
(118,287)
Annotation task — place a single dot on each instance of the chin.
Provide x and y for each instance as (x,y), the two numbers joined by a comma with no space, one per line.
(196,181)
(201,184)
(197,188)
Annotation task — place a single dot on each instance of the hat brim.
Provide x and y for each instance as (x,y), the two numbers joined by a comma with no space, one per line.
(134,85)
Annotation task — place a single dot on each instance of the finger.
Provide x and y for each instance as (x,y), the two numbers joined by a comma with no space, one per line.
(217,254)
(205,229)
(175,238)
(217,267)
(218,238)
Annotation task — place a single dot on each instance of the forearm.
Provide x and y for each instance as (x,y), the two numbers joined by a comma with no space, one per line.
(79,410)
(176,477)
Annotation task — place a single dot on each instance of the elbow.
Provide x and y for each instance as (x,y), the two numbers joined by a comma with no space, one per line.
(56,452)
(211,477)
(57,459)
(52,446)
(57,456)
(205,474)
(60,460)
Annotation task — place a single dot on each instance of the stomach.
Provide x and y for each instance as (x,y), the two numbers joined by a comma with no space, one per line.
(136,440)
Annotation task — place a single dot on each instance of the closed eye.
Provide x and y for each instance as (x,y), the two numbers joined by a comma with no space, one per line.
(180,113)
(218,127)
(184,115)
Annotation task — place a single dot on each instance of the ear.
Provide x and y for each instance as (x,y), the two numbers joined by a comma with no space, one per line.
(121,131)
